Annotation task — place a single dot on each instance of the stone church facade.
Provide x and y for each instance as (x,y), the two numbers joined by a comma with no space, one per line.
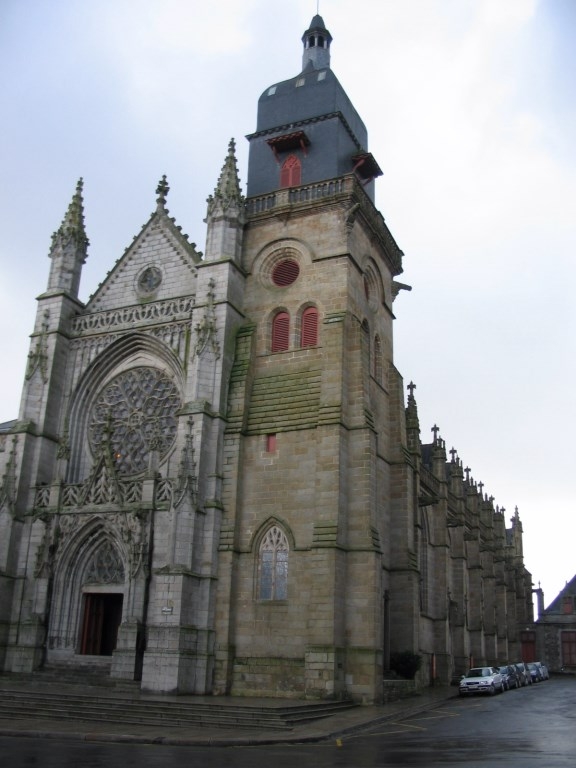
(215,484)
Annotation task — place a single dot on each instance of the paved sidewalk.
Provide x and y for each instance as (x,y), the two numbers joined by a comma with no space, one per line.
(337,726)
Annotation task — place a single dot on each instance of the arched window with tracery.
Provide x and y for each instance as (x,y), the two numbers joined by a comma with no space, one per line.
(273,565)
(309,327)
(280,332)
(291,172)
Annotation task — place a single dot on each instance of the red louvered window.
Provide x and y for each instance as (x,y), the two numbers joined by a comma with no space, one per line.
(281,332)
(309,331)
(291,172)
(285,273)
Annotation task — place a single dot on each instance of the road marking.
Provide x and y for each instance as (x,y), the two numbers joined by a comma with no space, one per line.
(408,725)
(385,733)
(401,728)
(435,717)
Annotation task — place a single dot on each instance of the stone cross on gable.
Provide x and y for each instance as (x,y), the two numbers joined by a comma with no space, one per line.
(453,453)
(411,387)
(467,471)
(435,429)
(162,191)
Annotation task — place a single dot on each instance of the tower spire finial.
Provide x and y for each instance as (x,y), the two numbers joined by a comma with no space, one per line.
(69,247)
(73,222)
(226,214)
(316,41)
(228,186)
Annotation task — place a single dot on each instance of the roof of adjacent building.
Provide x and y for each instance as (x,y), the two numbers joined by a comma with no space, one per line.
(556,606)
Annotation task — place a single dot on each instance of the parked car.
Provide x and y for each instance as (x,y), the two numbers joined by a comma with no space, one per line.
(525,676)
(510,676)
(543,670)
(535,672)
(481,680)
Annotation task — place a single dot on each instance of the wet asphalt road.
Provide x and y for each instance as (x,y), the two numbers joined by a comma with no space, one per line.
(530,727)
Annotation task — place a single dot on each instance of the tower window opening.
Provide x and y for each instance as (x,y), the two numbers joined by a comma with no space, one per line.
(378,366)
(366,287)
(309,330)
(285,272)
(280,332)
(291,172)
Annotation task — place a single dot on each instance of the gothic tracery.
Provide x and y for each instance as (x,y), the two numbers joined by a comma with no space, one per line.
(136,409)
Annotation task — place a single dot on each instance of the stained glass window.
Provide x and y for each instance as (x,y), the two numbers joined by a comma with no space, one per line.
(105,566)
(137,409)
(274,565)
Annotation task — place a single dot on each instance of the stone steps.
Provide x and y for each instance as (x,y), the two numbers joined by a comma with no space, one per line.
(45,700)
(77,676)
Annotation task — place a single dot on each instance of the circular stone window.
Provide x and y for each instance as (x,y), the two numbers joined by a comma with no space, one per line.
(285,272)
(149,280)
(135,413)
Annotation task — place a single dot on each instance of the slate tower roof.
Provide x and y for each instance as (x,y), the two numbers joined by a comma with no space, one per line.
(310,120)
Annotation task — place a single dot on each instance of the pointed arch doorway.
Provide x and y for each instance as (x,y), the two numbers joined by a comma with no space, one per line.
(101,618)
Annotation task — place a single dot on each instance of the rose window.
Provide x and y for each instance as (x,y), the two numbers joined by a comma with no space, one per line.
(135,412)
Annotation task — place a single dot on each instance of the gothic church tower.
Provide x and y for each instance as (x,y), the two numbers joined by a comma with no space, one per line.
(307,480)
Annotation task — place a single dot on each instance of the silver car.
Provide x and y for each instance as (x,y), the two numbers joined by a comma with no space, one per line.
(544,674)
(481,680)
(524,672)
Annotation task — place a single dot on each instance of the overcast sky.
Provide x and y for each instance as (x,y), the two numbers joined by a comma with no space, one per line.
(470,107)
